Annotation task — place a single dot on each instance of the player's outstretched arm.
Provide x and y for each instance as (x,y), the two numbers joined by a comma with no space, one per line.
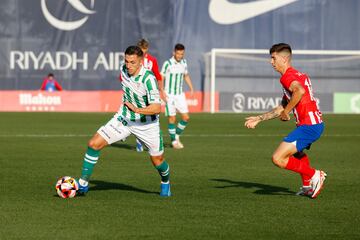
(253,121)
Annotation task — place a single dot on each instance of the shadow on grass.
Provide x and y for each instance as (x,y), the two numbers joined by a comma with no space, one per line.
(259,188)
(133,147)
(97,185)
(123,145)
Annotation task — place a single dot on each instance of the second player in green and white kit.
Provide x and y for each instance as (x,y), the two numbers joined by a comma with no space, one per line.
(175,72)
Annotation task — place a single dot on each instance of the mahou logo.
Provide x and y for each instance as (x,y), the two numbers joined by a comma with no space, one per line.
(39,102)
(68,25)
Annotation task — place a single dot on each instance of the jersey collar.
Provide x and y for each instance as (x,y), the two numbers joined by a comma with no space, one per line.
(174,60)
(141,73)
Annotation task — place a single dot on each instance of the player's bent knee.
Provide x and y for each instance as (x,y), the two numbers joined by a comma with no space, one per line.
(278,161)
(157,160)
(186,118)
(93,145)
(96,145)
(172,119)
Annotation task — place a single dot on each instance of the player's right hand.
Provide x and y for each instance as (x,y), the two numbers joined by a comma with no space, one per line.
(284,116)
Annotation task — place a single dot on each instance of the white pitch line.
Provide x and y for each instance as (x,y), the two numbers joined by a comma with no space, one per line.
(185,135)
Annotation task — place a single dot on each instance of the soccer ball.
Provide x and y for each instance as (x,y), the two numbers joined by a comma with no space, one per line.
(66,187)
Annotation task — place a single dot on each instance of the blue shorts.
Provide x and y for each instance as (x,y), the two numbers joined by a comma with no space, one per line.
(303,136)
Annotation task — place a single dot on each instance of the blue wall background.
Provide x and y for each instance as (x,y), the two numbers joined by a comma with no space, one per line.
(316,24)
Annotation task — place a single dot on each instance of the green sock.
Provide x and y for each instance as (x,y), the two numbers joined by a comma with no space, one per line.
(90,159)
(181,126)
(164,171)
(172,131)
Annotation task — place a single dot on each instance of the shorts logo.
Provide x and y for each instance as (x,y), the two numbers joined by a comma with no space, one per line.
(238,103)
(102,130)
(68,25)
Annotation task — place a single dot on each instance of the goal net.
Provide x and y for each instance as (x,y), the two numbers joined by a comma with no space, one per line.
(243,80)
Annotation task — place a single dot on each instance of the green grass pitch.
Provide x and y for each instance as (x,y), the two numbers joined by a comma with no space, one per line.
(223,182)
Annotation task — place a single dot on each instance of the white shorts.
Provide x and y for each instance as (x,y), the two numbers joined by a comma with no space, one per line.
(148,133)
(176,102)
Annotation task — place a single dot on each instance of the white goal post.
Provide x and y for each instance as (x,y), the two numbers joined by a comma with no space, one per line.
(215,52)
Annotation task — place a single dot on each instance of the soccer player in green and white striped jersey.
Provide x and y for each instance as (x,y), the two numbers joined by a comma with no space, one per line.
(138,115)
(174,72)
(149,62)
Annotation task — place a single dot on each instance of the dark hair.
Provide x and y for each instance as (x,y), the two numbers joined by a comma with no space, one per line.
(134,50)
(179,47)
(50,75)
(280,47)
(143,43)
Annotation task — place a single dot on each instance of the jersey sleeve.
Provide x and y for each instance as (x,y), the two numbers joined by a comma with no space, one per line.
(58,86)
(43,85)
(164,68)
(152,90)
(287,80)
(186,67)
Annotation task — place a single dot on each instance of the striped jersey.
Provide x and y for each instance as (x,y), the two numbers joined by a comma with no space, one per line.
(307,111)
(174,73)
(141,91)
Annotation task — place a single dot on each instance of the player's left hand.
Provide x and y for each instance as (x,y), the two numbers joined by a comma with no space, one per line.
(131,106)
(252,121)
(284,116)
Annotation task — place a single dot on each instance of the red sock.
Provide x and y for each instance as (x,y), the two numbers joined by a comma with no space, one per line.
(300,167)
(305,178)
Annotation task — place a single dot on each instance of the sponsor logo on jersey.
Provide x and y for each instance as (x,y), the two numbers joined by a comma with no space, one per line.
(68,25)
(226,12)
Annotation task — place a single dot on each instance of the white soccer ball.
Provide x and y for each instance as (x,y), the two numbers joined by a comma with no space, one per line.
(66,187)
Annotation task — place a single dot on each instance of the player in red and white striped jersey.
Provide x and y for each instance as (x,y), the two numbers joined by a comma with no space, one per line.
(306,111)
(149,61)
(298,97)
